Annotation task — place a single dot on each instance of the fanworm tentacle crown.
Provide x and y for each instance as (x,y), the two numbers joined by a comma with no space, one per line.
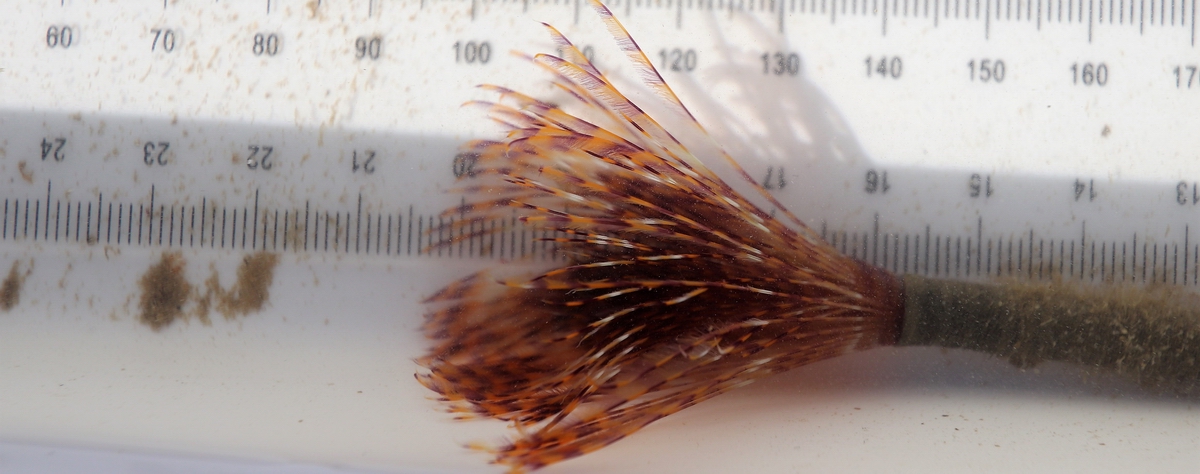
(675,287)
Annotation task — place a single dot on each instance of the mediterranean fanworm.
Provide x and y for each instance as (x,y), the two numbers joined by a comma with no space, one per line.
(677,288)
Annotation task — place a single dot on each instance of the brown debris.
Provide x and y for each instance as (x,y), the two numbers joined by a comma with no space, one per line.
(26,173)
(248,294)
(164,291)
(10,290)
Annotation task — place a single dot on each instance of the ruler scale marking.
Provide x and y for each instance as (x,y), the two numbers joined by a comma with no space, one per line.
(958,260)
(120,221)
(978,246)
(247,227)
(1078,256)
(253,224)
(151,230)
(1014,257)
(1091,271)
(987,18)
(1174,263)
(289,220)
(967,254)
(1153,267)
(885,261)
(357,226)
(895,253)
(78,211)
(987,268)
(46,232)
(161,218)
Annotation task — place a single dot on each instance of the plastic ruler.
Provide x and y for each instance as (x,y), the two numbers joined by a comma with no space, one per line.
(1041,139)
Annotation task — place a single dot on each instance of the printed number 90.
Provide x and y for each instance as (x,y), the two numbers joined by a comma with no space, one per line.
(368,47)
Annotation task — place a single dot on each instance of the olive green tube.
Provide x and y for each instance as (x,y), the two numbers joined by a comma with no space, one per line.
(1150,334)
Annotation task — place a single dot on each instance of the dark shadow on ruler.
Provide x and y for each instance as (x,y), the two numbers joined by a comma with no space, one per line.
(109,180)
